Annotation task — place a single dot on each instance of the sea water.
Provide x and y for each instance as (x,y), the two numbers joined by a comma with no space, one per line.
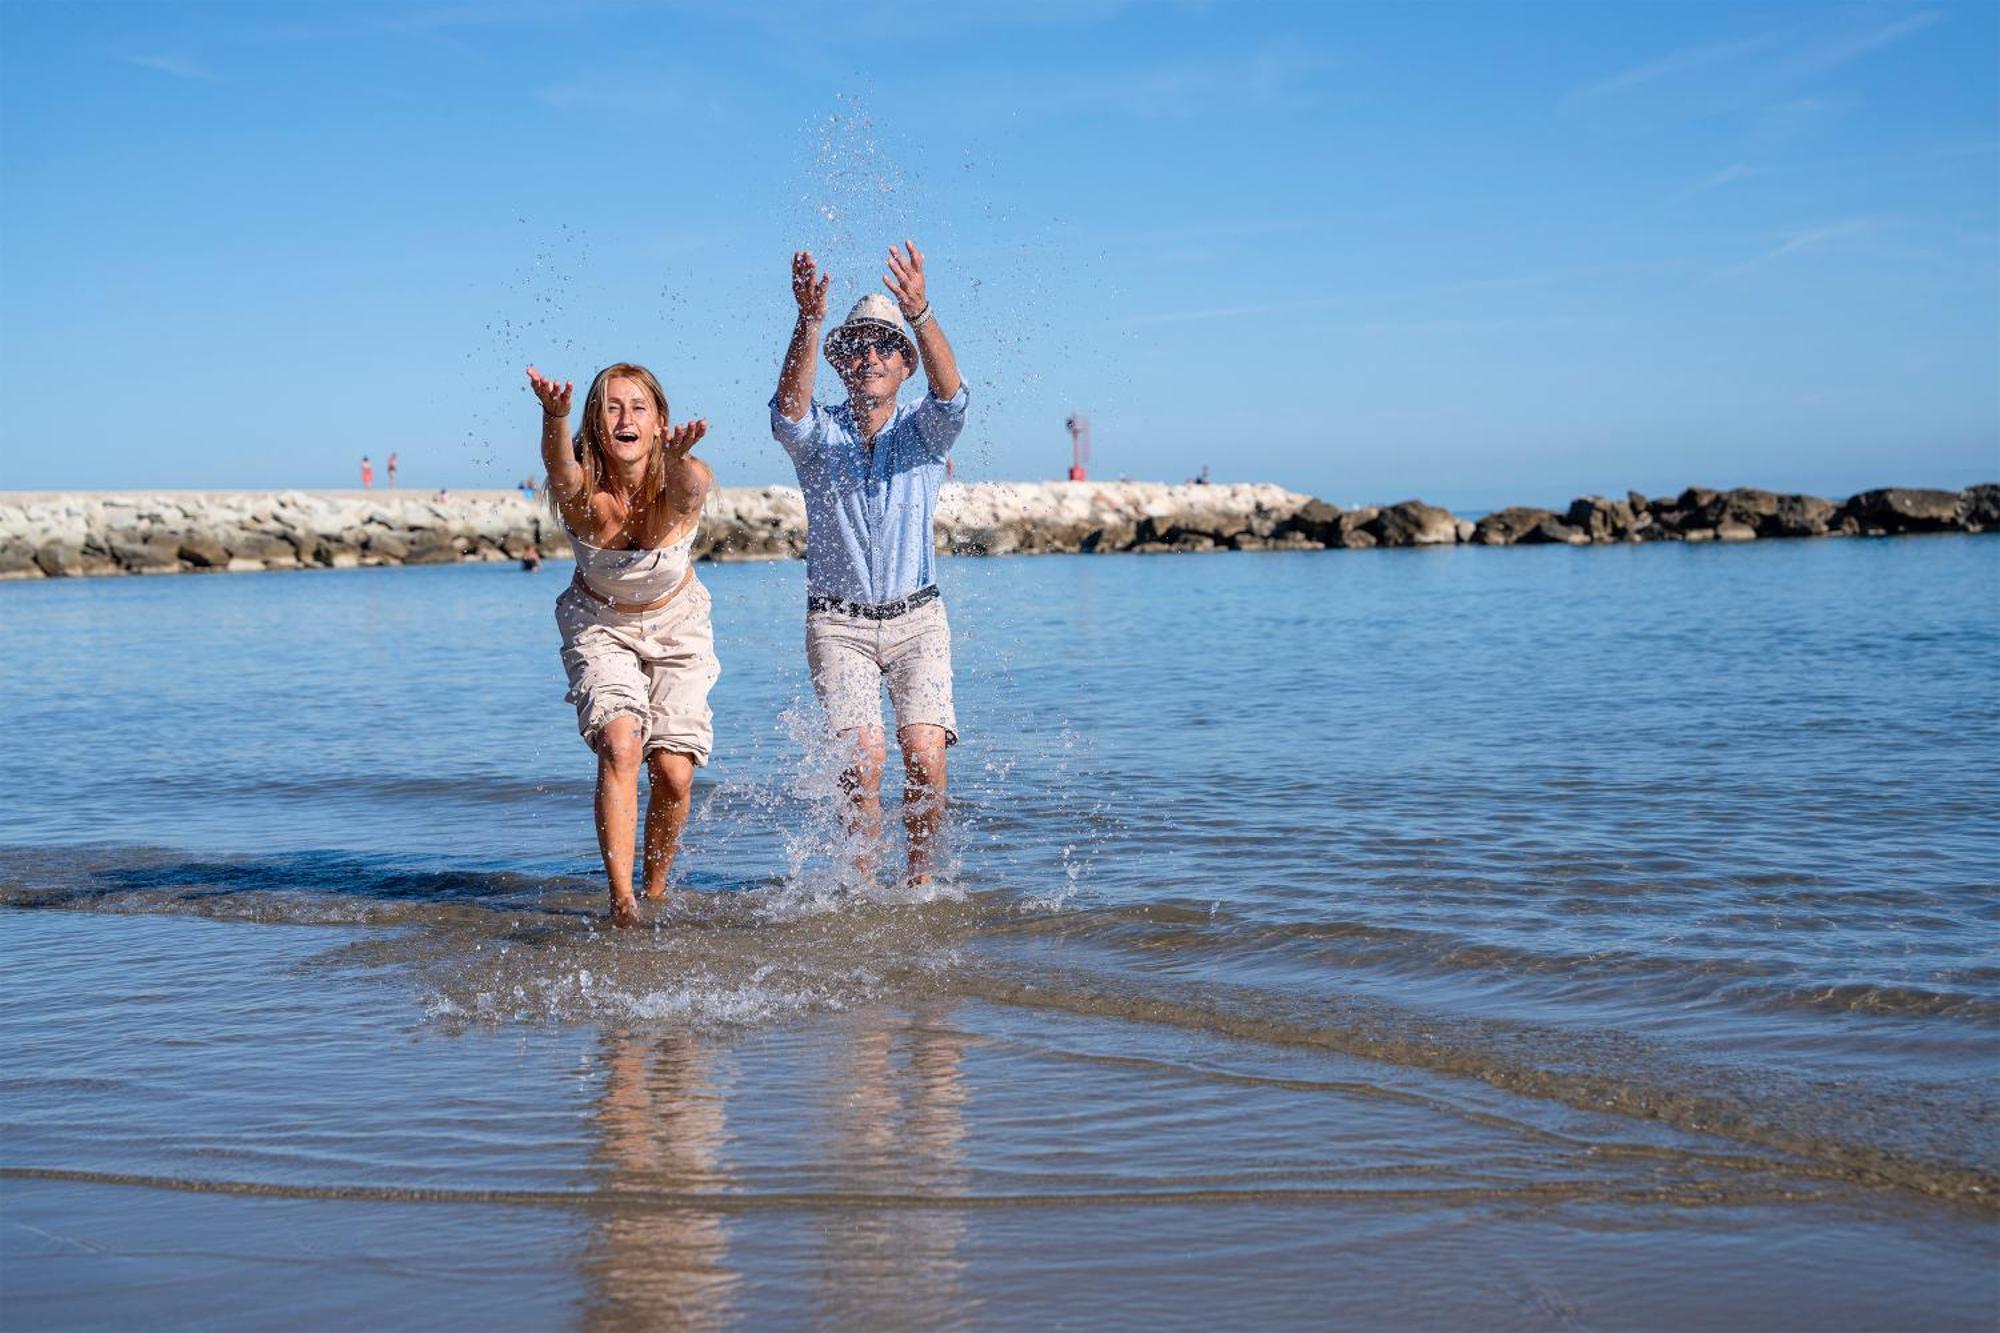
(1527,937)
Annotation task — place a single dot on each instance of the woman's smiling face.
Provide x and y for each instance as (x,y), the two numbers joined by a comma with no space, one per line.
(631,420)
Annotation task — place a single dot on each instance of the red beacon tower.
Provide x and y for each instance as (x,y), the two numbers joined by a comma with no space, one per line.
(1079,445)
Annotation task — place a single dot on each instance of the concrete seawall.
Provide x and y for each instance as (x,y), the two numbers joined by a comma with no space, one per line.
(52,535)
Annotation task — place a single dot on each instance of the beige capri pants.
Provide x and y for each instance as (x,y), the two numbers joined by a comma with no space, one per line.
(655,666)
(849,657)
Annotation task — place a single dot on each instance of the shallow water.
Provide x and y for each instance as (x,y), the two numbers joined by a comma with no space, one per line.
(1574,936)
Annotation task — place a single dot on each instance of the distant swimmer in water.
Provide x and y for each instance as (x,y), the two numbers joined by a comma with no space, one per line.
(636,639)
(870,469)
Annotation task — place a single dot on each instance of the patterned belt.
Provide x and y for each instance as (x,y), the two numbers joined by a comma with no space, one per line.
(886,611)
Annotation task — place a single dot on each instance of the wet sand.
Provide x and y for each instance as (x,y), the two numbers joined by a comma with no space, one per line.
(942,1161)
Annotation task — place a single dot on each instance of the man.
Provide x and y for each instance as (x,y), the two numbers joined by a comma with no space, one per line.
(870,469)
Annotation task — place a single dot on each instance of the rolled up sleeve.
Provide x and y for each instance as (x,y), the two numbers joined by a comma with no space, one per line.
(939,420)
(800,438)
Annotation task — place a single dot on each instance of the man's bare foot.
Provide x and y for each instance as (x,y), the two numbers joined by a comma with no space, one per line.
(916,879)
(624,912)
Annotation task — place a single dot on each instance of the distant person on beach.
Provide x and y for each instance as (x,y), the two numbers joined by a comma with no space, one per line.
(636,641)
(390,467)
(870,469)
(367,473)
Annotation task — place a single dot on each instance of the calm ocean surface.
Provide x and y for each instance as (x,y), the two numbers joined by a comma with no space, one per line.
(1531,937)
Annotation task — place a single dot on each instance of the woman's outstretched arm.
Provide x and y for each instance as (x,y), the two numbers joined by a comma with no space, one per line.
(688,479)
(558,454)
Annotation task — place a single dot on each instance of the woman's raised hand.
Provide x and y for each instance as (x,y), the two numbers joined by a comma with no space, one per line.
(809,285)
(555,395)
(682,438)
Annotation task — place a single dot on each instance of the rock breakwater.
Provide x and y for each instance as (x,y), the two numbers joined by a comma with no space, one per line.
(60,535)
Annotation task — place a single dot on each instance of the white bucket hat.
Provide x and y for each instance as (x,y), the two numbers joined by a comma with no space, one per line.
(873,313)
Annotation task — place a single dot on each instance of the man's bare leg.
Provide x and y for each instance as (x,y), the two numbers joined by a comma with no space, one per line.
(618,762)
(666,815)
(923,794)
(862,782)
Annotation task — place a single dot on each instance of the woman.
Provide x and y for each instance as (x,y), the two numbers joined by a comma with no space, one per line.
(636,641)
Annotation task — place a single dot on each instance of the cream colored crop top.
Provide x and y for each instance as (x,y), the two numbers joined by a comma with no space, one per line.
(618,574)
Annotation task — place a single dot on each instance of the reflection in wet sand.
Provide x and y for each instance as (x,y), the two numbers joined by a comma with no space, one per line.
(893,1124)
(665,1129)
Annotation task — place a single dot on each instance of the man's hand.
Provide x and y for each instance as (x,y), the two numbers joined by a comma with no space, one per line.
(809,286)
(555,395)
(682,438)
(905,279)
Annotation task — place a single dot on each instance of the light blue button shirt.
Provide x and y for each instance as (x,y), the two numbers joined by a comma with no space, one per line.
(868,512)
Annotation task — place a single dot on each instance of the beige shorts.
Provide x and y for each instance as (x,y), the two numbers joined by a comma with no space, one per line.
(850,657)
(656,666)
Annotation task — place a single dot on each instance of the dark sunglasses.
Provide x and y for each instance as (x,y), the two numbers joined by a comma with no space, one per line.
(854,348)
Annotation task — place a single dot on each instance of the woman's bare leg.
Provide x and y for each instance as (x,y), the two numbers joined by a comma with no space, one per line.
(666,815)
(618,762)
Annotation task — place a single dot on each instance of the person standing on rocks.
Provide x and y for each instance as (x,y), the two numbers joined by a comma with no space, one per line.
(367,474)
(391,469)
(637,644)
(870,469)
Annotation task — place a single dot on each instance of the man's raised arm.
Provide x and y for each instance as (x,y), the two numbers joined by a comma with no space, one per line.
(795,380)
(905,281)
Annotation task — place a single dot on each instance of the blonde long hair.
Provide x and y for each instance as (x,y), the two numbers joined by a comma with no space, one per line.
(589,442)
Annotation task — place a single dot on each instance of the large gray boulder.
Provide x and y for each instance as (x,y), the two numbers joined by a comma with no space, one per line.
(1414,523)
(1901,509)
(1524,525)
(1315,520)
(1800,516)
(270,548)
(1504,527)
(1355,529)
(432,546)
(1979,507)
(17,560)
(1744,507)
(59,560)
(203,550)
(1604,520)
(146,556)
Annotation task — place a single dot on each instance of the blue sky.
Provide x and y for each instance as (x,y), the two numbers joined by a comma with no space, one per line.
(1481,254)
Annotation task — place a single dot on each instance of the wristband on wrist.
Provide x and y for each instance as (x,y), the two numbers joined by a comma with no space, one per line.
(922,317)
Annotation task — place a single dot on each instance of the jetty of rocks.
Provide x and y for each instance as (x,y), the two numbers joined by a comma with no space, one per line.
(60,535)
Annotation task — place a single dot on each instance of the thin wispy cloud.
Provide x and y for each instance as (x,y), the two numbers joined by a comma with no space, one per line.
(1752,67)
(180,67)
(1689,60)
(1838,51)
(1802,242)
(1729,175)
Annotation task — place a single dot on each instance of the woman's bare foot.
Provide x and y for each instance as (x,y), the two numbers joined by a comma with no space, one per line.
(671,900)
(624,911)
